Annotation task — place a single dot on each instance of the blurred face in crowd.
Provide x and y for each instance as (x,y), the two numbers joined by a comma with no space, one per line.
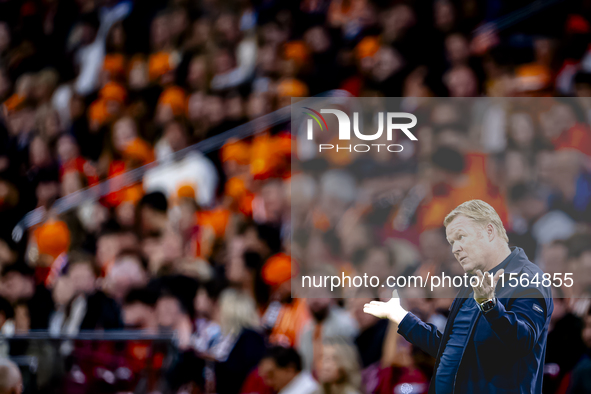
(317,40)
(127,273)
(531,207)
(223,61)
(195,106)
(267,60)
(258,105)
(124,132)
(396,21)
(516,168)
(15,286)
(179,22)
(457,49)
(160,32)
(107,247)
(63,291)
(234,108)
(7,255)
(273,195)
(227,28)
(138,75)
(203,304)
(186,215)
(470,243)
(558,169)
(39,153)
(558,118)
(554,258)
(172,246)
(272,34)
(125,214)
(201,29)
(434,246)
(71,182)
(83,278)
(176,136)
(117,36)
(214,109)
(49,123)
(197,74)
(139,316)
(235,269)
(444,15)
(521,129)
(67,149)
(387,62)
(168,311)
(329,370)
(46,192)
(461,82)
(4,37)
(319,307)
(152,219)
(275,376)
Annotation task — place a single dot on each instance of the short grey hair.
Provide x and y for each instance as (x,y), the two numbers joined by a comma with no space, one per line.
(481,212)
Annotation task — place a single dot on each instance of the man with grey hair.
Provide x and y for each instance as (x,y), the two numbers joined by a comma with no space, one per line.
(11,381)
(495,337)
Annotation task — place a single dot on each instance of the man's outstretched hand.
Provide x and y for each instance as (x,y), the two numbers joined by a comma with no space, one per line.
(387,310)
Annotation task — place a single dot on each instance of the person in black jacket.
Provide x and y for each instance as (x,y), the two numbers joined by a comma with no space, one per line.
(495,337)
(89,307)
(242,346)
(17,285)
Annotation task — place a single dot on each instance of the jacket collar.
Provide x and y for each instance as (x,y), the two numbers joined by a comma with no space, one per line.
(514,262)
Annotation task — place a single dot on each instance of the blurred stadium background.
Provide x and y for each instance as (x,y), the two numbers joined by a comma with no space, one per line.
(146,183)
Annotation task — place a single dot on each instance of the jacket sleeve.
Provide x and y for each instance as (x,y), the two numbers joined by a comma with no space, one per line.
(424,335)
(520,326)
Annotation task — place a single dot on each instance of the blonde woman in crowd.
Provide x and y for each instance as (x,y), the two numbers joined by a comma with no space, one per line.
(338,371)
(242,346)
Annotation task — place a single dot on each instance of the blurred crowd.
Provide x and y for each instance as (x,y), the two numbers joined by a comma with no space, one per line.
(205,246)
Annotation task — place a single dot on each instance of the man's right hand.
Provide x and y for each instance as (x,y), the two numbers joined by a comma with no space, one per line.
(387,310)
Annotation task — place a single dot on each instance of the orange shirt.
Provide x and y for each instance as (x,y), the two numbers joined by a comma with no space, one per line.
(577,137)
(432,214)
(289,324)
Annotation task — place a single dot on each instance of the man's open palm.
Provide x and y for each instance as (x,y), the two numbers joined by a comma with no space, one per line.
(387,310)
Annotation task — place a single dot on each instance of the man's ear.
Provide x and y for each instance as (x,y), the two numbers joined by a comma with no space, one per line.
(490,231)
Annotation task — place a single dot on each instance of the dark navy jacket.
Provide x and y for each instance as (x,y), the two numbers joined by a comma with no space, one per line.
(506,346)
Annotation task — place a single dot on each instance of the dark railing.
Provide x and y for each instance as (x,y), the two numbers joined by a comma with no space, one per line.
(93,361)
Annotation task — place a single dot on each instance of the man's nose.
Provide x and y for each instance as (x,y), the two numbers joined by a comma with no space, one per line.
(456,248)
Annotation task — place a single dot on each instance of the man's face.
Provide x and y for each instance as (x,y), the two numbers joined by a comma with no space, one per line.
(274,376)
(16,286)
(136,315)
(469,242)
(126,273)
(83,278)
(168,312)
